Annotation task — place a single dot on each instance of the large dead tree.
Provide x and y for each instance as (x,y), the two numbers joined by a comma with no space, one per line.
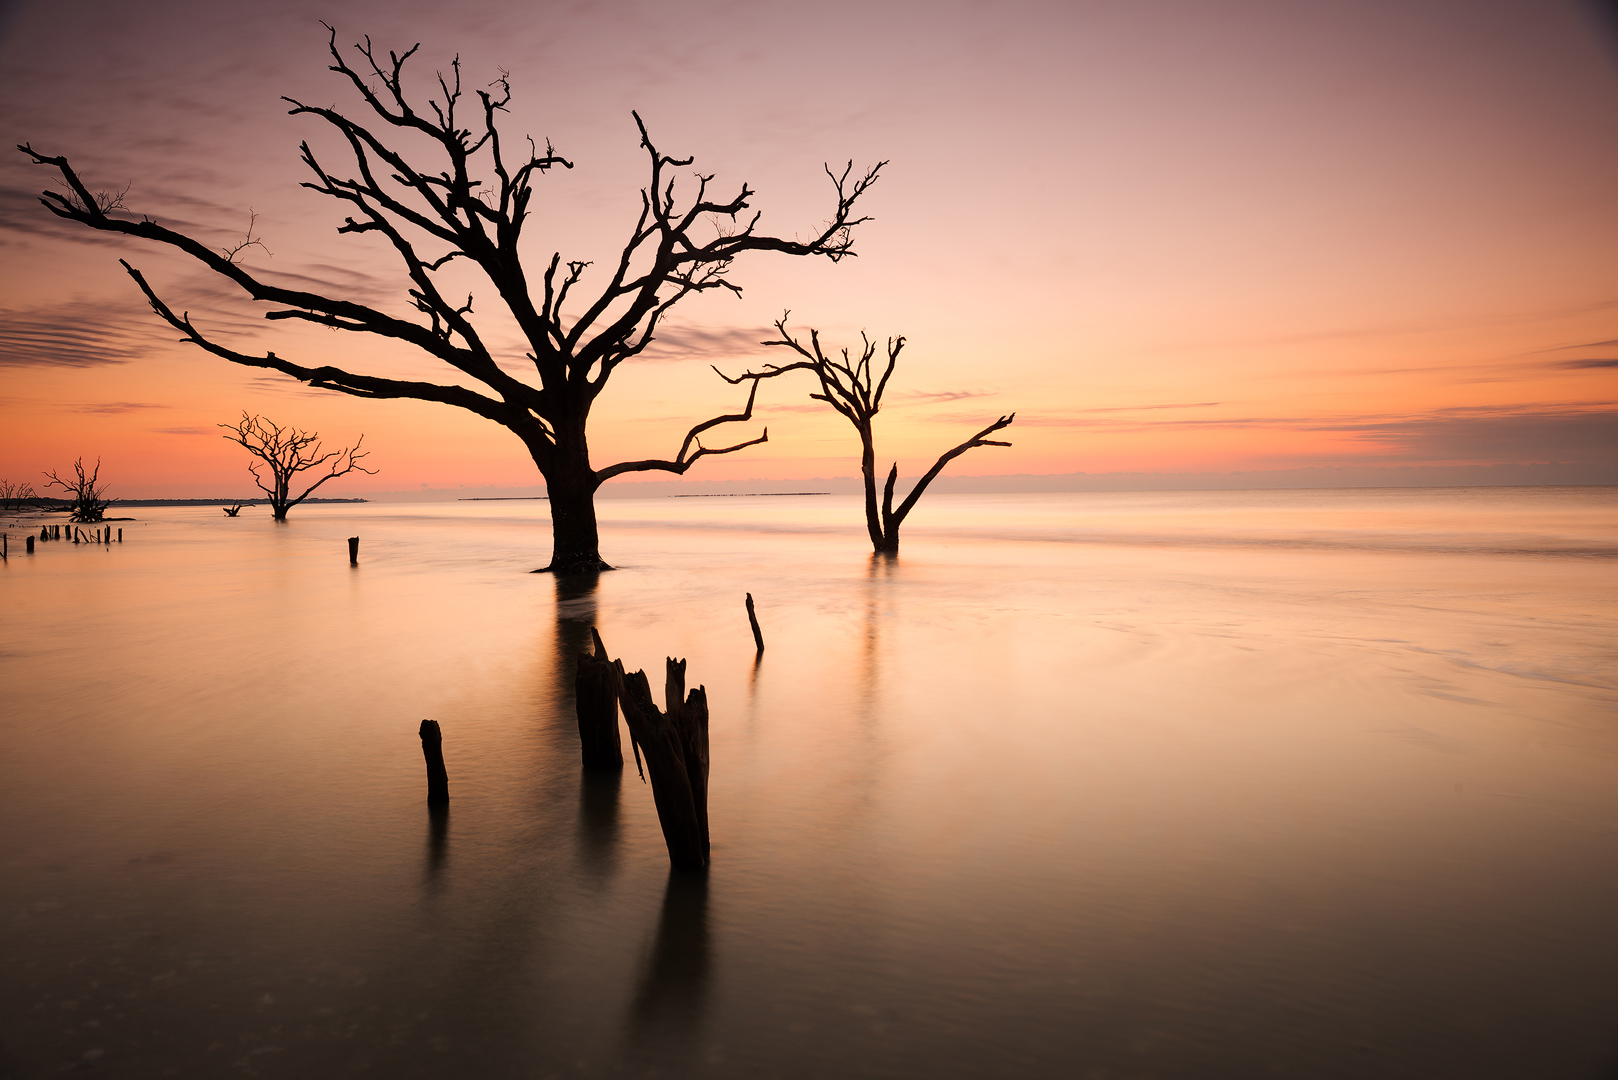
(471,204)
(286,452)
(854,388)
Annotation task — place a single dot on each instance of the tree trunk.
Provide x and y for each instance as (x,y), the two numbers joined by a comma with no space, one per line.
(571,484)
(575,542)
(873,521)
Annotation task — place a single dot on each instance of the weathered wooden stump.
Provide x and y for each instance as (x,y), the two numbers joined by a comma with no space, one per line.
(674,744)
(432,748)
(595,698)
(752,617)
(30,543)
(353,551)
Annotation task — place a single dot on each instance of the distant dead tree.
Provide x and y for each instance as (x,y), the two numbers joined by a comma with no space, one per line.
(15,494)
(854,389)
(287,452)
(469,203)
(87,499)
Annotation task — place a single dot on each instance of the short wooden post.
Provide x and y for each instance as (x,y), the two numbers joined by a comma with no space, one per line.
(30,543)
(44,532)
(353,551)
(120,534)
(752,617)
(5,547)
(432,748)
(675,745)
(595,699)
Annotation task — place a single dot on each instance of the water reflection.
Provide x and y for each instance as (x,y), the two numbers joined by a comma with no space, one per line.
(437,845)
(598,821)
(671,1004)
(575,615)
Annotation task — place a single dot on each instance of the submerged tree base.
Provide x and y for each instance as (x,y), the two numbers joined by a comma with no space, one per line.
(568,567)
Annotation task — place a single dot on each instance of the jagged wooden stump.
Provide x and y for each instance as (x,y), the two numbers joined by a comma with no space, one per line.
(674,743)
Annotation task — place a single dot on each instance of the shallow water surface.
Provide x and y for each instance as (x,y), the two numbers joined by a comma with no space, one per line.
(1315,784)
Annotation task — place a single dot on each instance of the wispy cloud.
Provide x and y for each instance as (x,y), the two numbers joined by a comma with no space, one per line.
(1511,433)
(73,334)
(185,431)
(1546,431)
(114,407)
(1577,365)
(709,343)
(926,397)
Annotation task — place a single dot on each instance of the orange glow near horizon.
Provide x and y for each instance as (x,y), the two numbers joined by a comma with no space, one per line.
(1275,239)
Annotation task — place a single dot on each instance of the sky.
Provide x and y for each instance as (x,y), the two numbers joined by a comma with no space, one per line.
(1171,237)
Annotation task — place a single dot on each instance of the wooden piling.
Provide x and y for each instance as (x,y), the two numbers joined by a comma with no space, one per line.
(432,748)
(752,617)
(30,544)
(595,699)
(120,534)
(675,745)
(353,551)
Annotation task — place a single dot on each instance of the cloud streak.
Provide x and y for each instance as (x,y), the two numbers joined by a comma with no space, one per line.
(112,408)
(77,334)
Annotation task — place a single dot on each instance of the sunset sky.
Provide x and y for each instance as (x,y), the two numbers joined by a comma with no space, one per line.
(1170,236)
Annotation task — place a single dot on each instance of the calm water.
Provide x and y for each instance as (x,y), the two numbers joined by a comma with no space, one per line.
(1310,784)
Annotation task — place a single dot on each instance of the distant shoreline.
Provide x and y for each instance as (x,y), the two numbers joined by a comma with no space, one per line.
(215,502)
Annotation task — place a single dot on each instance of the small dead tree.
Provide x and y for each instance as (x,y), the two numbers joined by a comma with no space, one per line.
(287,452)
(854,388)
(15,494)
(87,498)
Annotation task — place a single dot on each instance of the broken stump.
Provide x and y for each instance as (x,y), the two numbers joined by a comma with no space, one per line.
(674,743)
(595,698)
(432,748)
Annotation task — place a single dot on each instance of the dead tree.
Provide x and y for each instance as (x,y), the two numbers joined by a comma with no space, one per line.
(674,743)
(87,498)
(854,388)
(469,204)
(286,452)
(16,494)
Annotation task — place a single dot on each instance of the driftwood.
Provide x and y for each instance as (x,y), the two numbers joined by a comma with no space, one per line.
(432,748)
(674,744)
(595,697)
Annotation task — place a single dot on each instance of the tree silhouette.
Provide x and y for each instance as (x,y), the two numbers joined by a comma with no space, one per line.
(87,497)
(471,204)
(855,389)
(286,452)
(15,494)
